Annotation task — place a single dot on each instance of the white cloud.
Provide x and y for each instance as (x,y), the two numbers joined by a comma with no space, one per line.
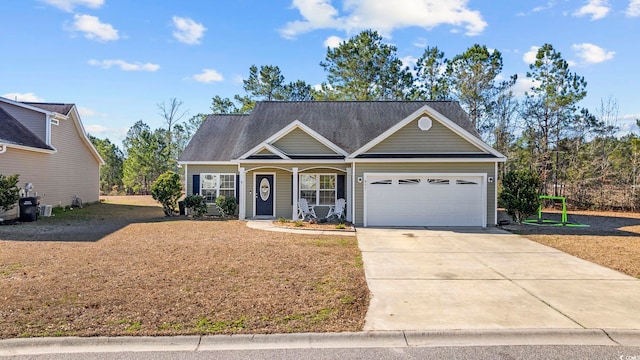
(69,5)
(420,42)
(597,9)
(27,97)
(332,42)
(86,112)
(592,54)
(188,31)
(126,66)
(409,61)
(238,79)
(530,56)
(208,76)
(94,29)
(383,16)
(633,9)
(116,135)
(523,84)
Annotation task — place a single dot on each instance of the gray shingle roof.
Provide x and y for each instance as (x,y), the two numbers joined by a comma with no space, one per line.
(53,107)
(13,132)
(348,124)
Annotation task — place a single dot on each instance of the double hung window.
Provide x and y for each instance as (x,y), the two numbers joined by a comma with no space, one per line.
(214,185)
(318,189)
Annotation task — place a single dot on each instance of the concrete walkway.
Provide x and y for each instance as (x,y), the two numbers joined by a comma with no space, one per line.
(488,279)
(267,225)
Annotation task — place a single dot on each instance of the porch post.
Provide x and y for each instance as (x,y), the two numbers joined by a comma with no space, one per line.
(348,192)
(294,195)
(242,194)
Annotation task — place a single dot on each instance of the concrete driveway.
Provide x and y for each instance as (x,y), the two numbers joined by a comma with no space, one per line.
(488,279)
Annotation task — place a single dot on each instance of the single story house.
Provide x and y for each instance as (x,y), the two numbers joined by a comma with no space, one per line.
(396,163)
(47,146)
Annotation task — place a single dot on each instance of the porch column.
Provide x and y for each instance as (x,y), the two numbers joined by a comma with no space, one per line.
(294,195)
(348,193)
(242,194)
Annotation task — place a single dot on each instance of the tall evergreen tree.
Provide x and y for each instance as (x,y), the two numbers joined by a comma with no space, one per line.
(472,76)
(365,68)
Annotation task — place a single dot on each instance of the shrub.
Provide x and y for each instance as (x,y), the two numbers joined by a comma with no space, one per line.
(197,204)
(167,190)
(9,192)
(226,205)
(519,195)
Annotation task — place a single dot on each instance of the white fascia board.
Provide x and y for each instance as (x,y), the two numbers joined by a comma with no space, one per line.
(83,134)
(426,109)
(296,124)
(28,148)
(26,106)
(207,163)
(272,149)
(426,160)
(294,161)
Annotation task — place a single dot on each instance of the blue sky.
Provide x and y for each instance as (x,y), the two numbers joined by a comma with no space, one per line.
(117,59)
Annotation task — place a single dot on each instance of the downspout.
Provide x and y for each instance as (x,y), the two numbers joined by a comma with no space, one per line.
(3,148)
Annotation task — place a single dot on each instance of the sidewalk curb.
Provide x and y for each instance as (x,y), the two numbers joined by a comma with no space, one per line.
(378,339)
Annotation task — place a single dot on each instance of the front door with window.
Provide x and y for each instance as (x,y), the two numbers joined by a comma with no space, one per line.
(264,195)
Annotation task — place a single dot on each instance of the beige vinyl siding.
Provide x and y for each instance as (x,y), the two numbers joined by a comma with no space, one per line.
(476,168)
(32,167)
(283,180)
(57,177)
(76,169)
(33,120)
(298,142)
(264,152)
(411,139)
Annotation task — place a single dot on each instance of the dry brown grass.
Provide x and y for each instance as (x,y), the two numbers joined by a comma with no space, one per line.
(113,269)
(612,238)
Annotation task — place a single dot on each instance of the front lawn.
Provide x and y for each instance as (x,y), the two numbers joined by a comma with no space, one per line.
(120,268)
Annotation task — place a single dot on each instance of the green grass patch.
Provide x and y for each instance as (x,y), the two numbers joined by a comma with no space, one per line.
(205,325)
(11,269)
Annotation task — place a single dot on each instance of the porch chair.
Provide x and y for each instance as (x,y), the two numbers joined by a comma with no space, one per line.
(305,211)
(337,210)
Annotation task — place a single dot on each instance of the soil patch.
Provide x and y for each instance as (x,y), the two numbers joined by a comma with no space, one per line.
(121,268)
(612,239)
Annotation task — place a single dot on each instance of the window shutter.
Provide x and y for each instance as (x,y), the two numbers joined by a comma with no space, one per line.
(238,189)
(340,185)
(196,184)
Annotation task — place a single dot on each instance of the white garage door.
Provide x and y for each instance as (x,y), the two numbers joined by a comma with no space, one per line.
(424,200)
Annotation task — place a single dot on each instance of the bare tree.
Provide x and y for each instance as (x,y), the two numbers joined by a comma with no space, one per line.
(172,115)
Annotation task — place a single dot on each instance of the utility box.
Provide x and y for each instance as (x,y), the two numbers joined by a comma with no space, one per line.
(45,210)
(28,209)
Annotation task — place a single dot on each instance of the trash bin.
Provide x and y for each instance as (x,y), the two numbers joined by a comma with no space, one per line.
(28,209)
(181,208)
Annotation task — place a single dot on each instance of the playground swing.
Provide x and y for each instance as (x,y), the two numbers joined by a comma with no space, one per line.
(548,222)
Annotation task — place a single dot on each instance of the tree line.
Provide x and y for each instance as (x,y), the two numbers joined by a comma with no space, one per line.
(575,151)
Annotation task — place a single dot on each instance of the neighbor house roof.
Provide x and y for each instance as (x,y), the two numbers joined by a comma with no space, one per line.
(13,132)
(52,107)
(348,124)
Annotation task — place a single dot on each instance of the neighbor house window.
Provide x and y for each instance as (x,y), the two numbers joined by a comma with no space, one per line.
(214,185)
(318,189)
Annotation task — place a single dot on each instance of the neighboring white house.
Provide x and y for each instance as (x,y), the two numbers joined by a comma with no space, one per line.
(48,147)
(397,163)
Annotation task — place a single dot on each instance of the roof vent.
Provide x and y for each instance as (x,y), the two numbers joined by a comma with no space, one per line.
(424,123)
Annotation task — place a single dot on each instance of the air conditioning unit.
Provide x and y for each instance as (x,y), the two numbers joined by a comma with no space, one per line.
(45,210)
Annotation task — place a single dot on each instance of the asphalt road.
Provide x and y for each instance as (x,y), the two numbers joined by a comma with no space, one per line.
(386,353)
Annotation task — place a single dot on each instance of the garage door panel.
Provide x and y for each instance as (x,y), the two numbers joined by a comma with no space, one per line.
(424,200)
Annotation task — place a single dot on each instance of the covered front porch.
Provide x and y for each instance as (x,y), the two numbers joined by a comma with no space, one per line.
(274,190)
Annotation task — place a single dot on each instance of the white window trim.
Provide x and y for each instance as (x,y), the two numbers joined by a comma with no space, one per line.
(317,175)
(218,183)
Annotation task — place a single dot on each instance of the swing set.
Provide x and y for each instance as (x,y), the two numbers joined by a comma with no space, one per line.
(548,222)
